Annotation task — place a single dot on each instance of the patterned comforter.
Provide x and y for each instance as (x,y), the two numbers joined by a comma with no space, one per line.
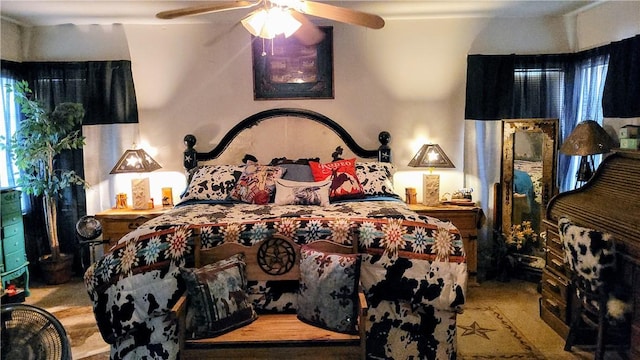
(413,272)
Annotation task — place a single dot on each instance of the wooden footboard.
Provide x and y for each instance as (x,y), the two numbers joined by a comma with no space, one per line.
(271,336)
(274,336)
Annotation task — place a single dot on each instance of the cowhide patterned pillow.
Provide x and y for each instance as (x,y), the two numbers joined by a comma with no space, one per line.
(376,178)
(212,183)
(328,295)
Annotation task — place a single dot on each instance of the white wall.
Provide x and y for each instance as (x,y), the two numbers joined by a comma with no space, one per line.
(408,78)
(610,21)
(11,41)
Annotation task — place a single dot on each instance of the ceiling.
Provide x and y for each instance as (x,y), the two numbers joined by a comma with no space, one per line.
(84,12)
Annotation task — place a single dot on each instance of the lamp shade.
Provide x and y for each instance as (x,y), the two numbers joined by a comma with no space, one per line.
(135,161)
(268,23)
(588,138)
(431,156)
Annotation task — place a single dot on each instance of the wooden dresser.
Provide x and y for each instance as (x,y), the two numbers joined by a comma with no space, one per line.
(13,257)
(555,303)
(609,202)
(468,219)
(118,222)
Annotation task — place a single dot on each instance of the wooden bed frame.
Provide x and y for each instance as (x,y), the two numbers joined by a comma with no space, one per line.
(275,336)
(191,156)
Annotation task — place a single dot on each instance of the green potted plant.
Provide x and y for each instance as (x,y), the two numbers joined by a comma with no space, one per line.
(40,137)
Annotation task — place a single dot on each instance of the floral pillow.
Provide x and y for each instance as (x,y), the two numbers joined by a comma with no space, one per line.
(344,181)
(257,184)
(328,296)
(302,193)
(212,183)
(217,301)
(376,178)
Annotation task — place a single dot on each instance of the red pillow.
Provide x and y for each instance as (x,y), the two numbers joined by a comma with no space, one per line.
(344,181)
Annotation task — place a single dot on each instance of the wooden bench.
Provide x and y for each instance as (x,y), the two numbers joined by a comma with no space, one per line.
(271,336)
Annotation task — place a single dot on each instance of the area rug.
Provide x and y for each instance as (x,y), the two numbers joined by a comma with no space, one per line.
(485,333)
(82,331)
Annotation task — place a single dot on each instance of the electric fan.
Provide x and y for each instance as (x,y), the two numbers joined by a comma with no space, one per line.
(88,229)
(31,333)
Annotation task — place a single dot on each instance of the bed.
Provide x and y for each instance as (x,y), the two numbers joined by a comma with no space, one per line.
(412,267)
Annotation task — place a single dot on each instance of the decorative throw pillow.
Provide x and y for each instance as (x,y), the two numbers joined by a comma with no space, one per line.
(302,193)
(257,184)
(298,172)
(212,183)
(376,178)
(344,181)
(217,301)
(328,295)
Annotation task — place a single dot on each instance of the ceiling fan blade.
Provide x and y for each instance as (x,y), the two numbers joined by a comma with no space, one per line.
(205,9)
(341,14)
(308,33)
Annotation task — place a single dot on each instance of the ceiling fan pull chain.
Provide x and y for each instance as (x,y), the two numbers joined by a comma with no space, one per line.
(264,52)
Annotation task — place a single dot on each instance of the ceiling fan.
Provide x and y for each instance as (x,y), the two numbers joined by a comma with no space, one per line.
(288,17)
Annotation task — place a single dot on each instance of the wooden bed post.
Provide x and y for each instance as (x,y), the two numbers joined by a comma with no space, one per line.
(189,158)
(384,151)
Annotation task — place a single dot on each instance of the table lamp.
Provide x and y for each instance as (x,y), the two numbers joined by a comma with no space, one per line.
(137,161)
(431,156)
(587,139)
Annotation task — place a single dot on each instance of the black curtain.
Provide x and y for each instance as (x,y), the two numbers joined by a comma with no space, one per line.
(515,86)
(492,83)
(34,222)
(489,86)
(622,86)
(106,90)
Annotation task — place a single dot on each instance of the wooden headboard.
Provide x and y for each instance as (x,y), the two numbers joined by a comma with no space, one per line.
(191,156)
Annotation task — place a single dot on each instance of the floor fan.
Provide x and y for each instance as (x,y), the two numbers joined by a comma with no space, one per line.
(88,229)
(31,333)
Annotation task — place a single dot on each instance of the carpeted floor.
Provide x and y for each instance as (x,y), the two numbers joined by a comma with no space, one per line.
(70,304)
(501,321)
(486,333)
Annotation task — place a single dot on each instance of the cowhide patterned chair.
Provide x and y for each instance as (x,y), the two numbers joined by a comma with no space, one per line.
(591,258)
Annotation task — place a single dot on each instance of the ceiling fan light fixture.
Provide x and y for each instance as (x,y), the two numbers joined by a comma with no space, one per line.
(254,22)
(268,23)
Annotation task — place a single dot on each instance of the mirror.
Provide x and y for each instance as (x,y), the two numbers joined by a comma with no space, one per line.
(528,170)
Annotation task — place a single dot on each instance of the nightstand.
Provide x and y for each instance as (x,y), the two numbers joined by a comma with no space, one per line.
(468,219)
(118,222)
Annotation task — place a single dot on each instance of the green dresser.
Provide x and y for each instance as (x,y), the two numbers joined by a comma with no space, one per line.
(13,257)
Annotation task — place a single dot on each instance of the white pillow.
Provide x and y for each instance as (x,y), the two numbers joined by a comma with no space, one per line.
(302,193)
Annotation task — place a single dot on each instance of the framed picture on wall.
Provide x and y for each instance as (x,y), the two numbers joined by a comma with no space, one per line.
(284,68)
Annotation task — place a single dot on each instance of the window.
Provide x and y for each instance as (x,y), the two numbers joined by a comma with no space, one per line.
(588,91)
(538,89)
(11,115)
